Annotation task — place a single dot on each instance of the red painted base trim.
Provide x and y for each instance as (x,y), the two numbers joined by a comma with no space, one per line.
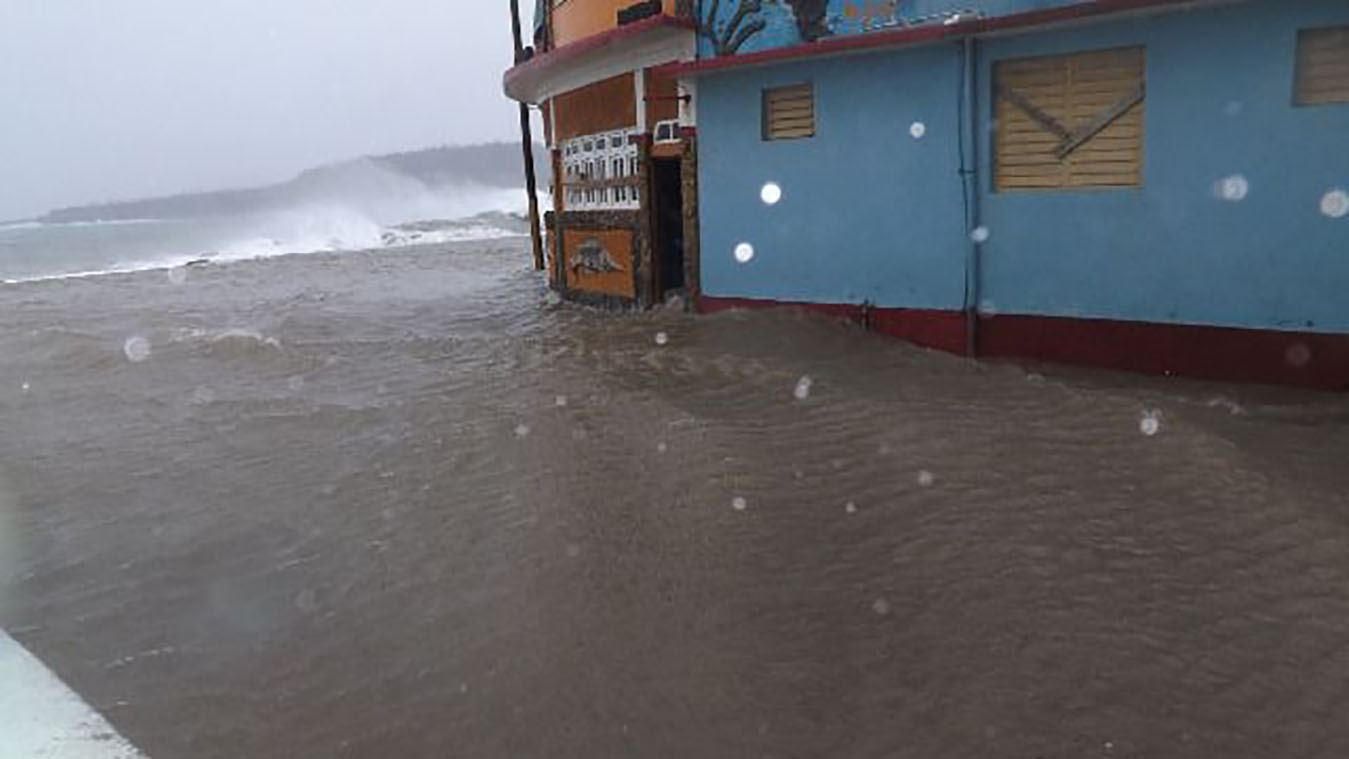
(943,330)
(1271,357)
(1229,354)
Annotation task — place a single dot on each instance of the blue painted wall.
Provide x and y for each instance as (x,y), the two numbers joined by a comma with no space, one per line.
(1220,90)
(869,213)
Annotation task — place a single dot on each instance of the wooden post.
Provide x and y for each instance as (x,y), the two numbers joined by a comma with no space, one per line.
(527,139)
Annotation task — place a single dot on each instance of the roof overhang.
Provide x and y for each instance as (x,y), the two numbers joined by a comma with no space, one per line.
(650,42)
(877,41)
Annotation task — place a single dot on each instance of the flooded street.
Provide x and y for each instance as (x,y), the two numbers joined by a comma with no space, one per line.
(401,505)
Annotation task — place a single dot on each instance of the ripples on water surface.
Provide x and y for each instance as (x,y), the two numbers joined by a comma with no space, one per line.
(400,505)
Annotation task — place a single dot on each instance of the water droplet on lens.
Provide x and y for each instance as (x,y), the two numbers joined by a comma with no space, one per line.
(739,504)
(802,391)
(771,193)
(306,601)
(1335,204)
(137,349)
(1150,423)
(917,130)
(1233,189)
(1298,355)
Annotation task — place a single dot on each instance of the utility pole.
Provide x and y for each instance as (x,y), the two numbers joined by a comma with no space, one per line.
(527,139)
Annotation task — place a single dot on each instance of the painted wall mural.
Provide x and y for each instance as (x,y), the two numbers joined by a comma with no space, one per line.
(744,26)
(592,256)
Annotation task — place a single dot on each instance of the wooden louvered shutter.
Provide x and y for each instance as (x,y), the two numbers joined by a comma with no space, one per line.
(1071,121)
(1323,66)
(789,112)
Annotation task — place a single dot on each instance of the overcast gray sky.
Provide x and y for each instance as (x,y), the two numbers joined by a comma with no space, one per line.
(115,99)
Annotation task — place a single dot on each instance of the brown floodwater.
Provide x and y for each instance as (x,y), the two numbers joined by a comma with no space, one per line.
(404,505)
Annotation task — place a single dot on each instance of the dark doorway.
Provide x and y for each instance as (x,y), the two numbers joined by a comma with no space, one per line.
(669,227)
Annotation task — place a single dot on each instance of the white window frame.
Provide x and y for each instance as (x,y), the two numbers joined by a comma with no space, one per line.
(606,155)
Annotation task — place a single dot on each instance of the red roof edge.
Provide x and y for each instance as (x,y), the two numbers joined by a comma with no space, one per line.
(899,37)
(594,42)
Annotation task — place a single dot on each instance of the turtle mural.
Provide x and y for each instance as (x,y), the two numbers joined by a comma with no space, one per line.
(591,256)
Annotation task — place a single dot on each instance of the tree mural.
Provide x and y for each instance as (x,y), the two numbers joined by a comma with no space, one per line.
(726,38)
(729,35)
(810,18)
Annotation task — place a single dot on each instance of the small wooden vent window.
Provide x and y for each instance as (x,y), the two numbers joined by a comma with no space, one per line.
(789,112)
(1323,66)
(1071,121)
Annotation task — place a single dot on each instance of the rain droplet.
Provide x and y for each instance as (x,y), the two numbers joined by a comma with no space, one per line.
(522,430)
(917,130)
(1234,108)
(1150,423)
(26,386)
(306,601)
(744,252)
(1233,189)
(560,401)
(552,299)
(203,395)
(802,391)
(573,550)
(137,349)
(771,193)
(1335,204)
(296,383)
(661,447)
(739,504)
(177,275)
(988,308)
(926,478)
(881,606)
(980,235)
(662,338)
(850,508)
(1298,355)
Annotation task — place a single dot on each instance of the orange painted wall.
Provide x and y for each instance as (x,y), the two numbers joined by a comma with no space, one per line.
(577,19)
(600,107)
(618,243)
(660,103)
